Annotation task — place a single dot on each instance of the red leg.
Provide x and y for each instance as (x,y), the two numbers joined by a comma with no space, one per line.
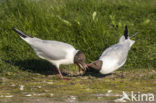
(60,74)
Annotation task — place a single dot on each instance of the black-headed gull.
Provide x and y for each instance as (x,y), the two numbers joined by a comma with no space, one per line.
(115,56)
(55,52)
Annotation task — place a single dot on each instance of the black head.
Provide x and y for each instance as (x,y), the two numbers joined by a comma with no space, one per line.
(96,65)
(126,32)
(80,59)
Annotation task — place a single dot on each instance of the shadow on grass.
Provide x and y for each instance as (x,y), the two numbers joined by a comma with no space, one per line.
(95,73)
(35,66)
(45,68)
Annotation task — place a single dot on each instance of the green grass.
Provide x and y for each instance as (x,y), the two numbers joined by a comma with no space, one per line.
(71,21)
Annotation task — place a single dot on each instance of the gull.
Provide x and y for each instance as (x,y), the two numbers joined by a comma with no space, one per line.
(115,56)
(55,52)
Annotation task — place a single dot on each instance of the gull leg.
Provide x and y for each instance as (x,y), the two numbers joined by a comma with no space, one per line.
(122,74)
(60,74)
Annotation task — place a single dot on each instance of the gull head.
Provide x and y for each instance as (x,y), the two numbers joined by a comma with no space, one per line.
(80,59)
(97,65)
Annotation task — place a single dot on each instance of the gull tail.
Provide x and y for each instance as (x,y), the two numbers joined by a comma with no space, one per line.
(21,34)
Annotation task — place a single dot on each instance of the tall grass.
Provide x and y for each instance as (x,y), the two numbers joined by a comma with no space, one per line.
(89,25)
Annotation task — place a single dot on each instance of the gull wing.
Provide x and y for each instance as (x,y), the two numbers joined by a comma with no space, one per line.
(51,50)
(46,49)
(117,51)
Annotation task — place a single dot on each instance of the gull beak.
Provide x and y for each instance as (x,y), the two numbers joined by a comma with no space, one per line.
(89,64)
(83,66)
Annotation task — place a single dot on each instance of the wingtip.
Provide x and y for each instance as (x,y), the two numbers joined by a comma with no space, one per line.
(126,29)
(125,26)
(14,29)
(126,32)
(20,33)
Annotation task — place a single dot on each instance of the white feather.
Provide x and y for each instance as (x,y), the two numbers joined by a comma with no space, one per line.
(54,51)
(115,56)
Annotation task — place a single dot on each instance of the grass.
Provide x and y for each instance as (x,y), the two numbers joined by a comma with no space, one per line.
(88,25)
(84,88)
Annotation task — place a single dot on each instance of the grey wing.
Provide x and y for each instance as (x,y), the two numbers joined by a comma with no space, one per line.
(116,51)
(51,50)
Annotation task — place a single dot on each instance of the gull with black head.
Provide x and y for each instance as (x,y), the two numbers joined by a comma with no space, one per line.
(55,52)
(115,56)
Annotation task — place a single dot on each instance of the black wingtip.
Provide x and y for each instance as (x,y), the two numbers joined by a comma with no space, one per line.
(23,35)
(14,29)
(126,32)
